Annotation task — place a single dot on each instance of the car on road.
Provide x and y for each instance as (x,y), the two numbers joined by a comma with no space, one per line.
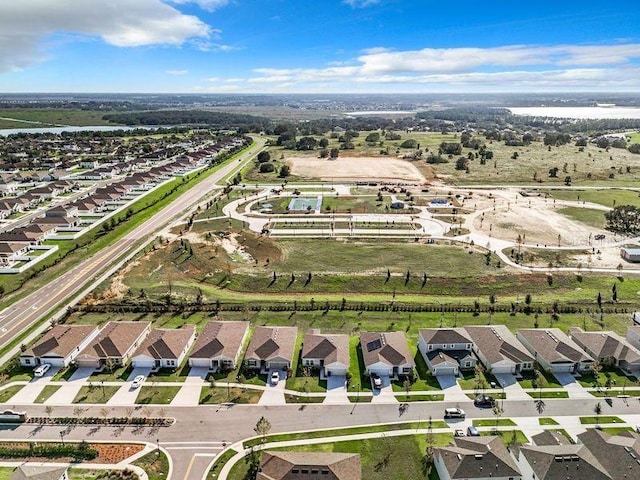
(137,381)
(377,382)
(484,401)
(275,378)
(459,433)
(454,413)
(40,370)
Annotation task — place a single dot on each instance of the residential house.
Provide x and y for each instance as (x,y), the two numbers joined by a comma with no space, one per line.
(219,345)
(63,211)
(10,252)
(554,350)
(59,346)
(608,348)
(39,472)
(66,222)
(618,454)
(271,348)
(499,350)
(476,458)
(164,348)
(114,345)
(560,462)
(22,235)
(630,254)
(327,352)
(309,466)
(446,350)
(386,353)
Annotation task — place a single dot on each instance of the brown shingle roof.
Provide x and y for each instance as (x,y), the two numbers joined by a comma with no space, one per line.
(444,335)
(61,340)
(289,466)
(564,462)
(330,348)
(605,344)
(497,343)
(618,454)
(114,340)
(33,472)
(386,347)
(477,457)
(166,343)
(271,342)
(220,339)
(553,345)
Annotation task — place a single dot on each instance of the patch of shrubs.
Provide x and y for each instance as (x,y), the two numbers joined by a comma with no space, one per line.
(154,421)
(79,452)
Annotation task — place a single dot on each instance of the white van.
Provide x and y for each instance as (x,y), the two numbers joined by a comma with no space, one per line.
(454,413)
(40,370)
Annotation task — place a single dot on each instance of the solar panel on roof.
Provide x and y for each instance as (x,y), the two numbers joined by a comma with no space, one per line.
(375,345)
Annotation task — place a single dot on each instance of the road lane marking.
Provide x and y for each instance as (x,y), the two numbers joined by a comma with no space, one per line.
(186,475)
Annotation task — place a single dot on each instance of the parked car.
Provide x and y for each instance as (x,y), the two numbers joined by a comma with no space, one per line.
(377,382)
(275,378)
(40,370)
(459,433)
(483,401)
(473,431)
(137,381)
(454,413)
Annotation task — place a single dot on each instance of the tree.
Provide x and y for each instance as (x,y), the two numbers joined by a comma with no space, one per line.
(267,168)
(614,293)
(479,381)
(373,137)
(334,153)
(599,300)
(409,143)
(598,410)
(104,411)
(264,157)
(262,428)
(284,171)
(623,219)
(462,163)
(407,387)
(568,180)
(48,410)
(553,172)
(497,411)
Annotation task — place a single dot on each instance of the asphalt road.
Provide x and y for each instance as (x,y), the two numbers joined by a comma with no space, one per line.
(24,313)
(199,433)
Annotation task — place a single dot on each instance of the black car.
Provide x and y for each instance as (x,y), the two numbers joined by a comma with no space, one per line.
(484,402)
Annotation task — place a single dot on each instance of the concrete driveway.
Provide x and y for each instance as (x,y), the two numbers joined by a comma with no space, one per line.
(274,394)
(336,389)
(385,393)
(189,394)
(67,393)
(511,387)
(126,395)
(451,389)
(30,392)
(571,385)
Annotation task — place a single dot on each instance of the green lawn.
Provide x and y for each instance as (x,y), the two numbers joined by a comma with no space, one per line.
(600,419)
(281,437)
(547,421)
(64,374)
(612,375)
(490,393)
(546,380)
(608,198)
(614,393)
(422,381)
(168,375)
(7,393)
(156,466)
(16,373)
(491,422)
(119,374)
(307,384)
(220,462)
(468,382)
(436,397)
(46,392)
(360,398)
(95,394)
(507,436)
(617,430)
(5,472)
(219,395)
(588,216)
(302,399)
(359,381)
(156,395)
(546,394)
(388,458)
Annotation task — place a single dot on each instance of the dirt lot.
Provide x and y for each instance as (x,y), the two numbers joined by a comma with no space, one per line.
(356,168)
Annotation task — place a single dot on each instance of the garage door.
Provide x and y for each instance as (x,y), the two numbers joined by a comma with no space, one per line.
(503,369)
(445,371)
(142,363)
(200,362)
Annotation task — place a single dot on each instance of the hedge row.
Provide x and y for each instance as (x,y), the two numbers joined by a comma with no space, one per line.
(153,421)
(80,451)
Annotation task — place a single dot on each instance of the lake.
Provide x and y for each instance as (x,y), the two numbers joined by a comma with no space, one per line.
(57,130)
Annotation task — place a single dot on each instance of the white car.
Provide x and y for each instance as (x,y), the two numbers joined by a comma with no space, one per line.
(275,378)
(137,381)
(40,370)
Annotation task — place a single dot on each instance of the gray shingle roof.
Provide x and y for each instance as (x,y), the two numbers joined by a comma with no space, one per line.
(220,339)
(477,457)
(272,342)
(61,340)
(288,466)
(328,347)
(390,348)
(114,340)
(166,343)
(605,344)
(444,335)
(497,343)
(554,345)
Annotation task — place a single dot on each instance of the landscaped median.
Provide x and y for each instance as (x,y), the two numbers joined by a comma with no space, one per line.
(116,421)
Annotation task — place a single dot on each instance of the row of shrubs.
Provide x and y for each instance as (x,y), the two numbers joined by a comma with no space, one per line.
(341,306)
(78,451)
(153,421)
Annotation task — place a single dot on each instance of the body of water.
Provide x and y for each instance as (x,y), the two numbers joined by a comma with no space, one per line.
(57,130)
(580,113)
(369,113)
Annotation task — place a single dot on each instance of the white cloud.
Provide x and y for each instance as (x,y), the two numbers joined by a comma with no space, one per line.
(209,5)
(508,67)
(361,3)
(177,72)
(121,23)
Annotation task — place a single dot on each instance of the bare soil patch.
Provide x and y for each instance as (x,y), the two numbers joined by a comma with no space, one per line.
(356,168)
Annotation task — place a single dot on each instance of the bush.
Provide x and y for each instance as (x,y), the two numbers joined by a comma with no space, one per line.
(267,168)
(409,143)
(81,451)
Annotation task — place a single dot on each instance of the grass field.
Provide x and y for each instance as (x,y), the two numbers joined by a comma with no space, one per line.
(95,394)
(588,216)
(543,394)
(46,392)
(547,421)
(389,458)
(54,116)
(156,395)
(608,198)
(492,422)
(600,419)
(156,464)
(7,393)
(213,396)
(5,472)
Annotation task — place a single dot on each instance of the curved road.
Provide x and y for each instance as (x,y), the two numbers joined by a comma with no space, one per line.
(29,310)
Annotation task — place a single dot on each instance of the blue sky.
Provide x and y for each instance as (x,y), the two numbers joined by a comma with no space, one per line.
(338,46)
